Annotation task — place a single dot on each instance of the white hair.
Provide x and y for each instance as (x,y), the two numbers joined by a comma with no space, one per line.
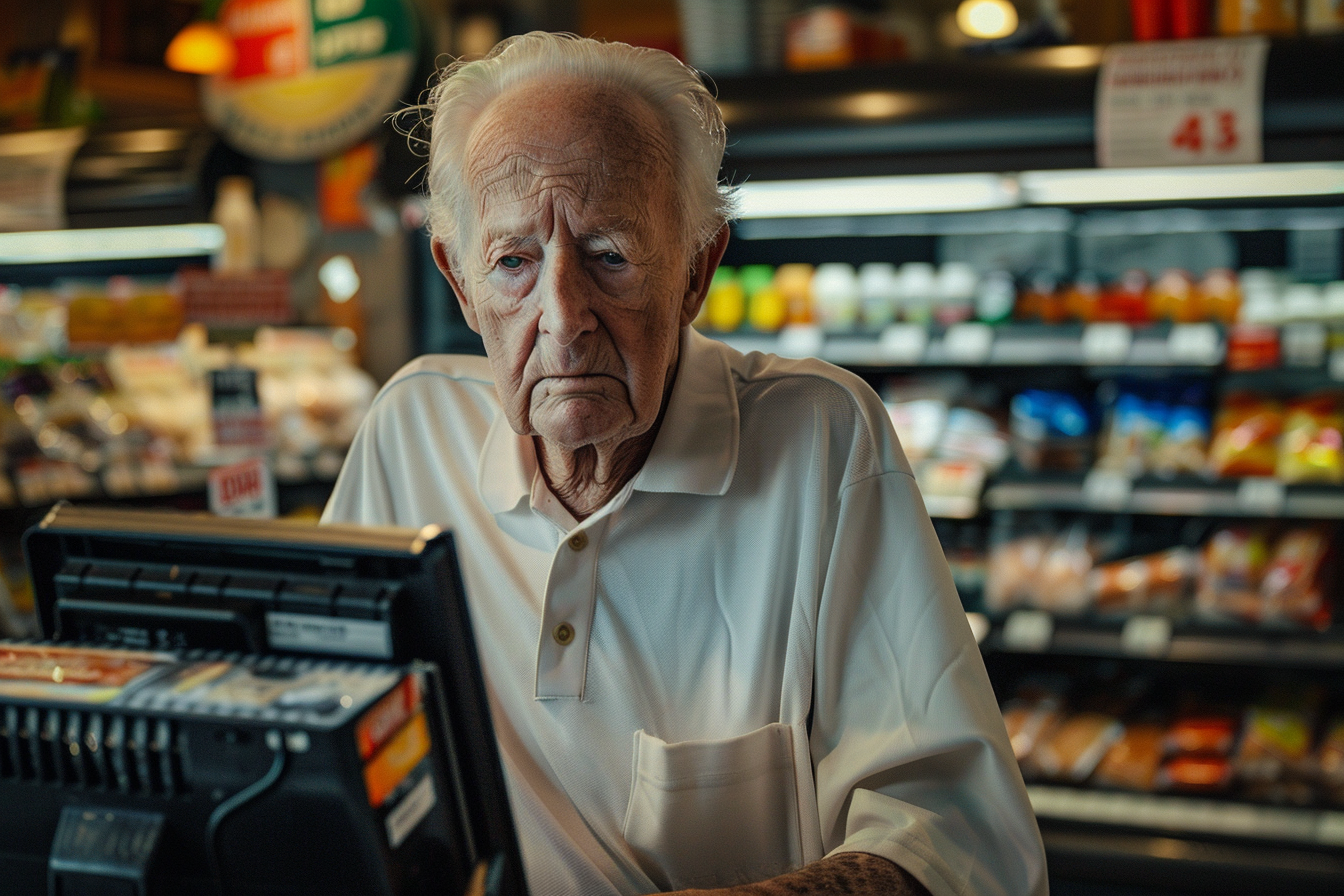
(672,90)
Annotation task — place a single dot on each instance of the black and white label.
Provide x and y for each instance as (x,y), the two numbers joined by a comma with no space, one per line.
(410,811)
(328,634)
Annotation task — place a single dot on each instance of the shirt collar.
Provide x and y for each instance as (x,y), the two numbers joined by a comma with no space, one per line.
(695,452)
(696,449)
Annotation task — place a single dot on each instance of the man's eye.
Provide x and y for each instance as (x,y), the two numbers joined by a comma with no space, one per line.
(512,262)
(612,258)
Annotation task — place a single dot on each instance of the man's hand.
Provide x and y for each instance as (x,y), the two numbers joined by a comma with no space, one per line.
(852,873)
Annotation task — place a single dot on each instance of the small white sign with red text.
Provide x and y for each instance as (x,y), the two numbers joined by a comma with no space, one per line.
(1181,102)
(246,488)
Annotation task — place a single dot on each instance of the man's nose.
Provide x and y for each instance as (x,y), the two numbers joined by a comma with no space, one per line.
(566,293)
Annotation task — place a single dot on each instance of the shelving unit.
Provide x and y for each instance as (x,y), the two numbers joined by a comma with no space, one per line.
(1013,122)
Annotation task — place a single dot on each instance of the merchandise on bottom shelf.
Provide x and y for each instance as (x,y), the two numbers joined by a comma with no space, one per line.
(1259,575)
(1274,744)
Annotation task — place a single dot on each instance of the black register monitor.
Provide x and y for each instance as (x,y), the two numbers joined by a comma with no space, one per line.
(148,580)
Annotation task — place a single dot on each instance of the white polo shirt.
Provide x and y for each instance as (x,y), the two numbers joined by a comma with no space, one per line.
(751,657)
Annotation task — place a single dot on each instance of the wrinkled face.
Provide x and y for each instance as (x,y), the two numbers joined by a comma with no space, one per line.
(570,265)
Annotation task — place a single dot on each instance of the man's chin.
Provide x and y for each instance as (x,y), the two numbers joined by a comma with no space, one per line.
(577,422)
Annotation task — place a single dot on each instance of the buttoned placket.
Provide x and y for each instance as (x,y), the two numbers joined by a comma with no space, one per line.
(567,612)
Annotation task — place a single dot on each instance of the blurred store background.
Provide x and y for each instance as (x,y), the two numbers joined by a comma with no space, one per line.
(1088,252)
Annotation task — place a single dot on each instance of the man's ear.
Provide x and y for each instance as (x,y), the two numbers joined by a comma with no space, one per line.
(704,264)
(441,259)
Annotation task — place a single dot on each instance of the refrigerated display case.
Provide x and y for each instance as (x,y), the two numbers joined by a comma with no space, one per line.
(990,162)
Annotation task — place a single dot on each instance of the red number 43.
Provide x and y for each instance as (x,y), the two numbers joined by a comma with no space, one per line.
(1190,135)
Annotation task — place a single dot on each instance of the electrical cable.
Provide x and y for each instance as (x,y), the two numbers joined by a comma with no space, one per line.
(221,813)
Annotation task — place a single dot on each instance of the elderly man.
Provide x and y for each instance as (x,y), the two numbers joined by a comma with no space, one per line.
(722,647)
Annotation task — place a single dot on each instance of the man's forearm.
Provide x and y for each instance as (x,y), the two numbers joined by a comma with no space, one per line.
(852,873)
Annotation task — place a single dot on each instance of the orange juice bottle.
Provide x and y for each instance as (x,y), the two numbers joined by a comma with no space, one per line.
(1220,295)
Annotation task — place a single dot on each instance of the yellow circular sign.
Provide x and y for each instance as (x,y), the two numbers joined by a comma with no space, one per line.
(311,77)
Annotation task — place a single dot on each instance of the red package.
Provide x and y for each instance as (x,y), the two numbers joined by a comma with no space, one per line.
(1211,734)
(1201,774)
(1246,434)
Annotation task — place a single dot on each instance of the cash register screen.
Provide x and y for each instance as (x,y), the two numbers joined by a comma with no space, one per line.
(164,580)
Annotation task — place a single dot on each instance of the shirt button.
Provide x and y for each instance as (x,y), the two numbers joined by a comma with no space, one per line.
(563,634)
(578,541)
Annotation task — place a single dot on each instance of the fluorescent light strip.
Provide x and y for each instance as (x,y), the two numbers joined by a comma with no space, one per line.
(111,243)
(1104,186)
(876,195)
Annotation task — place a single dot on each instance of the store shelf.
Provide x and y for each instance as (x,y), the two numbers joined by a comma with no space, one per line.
(1187,815)
(1113,493)
(1152,637)
(1201,346)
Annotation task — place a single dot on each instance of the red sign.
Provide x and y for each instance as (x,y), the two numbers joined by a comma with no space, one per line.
(269,36)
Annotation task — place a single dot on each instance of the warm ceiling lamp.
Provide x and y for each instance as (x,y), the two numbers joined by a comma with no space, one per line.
(203,47)
(987,19)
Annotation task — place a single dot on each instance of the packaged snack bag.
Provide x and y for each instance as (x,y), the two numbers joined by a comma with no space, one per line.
(1292,588)
(1234,562)
(1329,761)
(1246,434)
(1075,748)
(1012,570)
(1195,774)
(1273,758)
(1311,448)
(1207,733)
(1155,583)
(1132,761)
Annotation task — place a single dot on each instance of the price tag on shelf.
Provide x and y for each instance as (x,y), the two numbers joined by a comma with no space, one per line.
(904,343)
(1148,636)
(968,343)
(1107,343)
(1187,102)
(1261,496)
(1194,344)
(1107,490)
(800,341)
(1028,630)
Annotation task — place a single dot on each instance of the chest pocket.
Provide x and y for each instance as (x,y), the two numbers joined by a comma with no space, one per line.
(715,813)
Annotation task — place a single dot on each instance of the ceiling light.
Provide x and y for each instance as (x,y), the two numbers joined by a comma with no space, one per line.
(987,19)
(1194,183)
(876,195)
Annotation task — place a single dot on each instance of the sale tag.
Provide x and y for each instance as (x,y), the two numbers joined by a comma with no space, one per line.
(244,489)
(1186,102)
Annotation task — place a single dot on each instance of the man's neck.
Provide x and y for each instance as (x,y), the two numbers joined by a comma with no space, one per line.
(585,479)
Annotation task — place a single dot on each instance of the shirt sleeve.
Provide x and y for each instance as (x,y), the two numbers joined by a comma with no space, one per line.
(911,757)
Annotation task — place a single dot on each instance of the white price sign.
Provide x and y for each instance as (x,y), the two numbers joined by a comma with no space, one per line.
(1107,490)
(1028,630)
(1146,636)
(904,343)
(800,341)
(1261,496)
(1187,102)
(1194,344)
(968,343)
(1107,343)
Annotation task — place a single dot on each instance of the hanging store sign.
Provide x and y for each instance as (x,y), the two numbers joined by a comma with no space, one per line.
(1187,102)
(311,77)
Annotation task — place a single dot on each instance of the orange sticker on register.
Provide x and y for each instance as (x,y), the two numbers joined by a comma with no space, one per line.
(396,759)
(387,715)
